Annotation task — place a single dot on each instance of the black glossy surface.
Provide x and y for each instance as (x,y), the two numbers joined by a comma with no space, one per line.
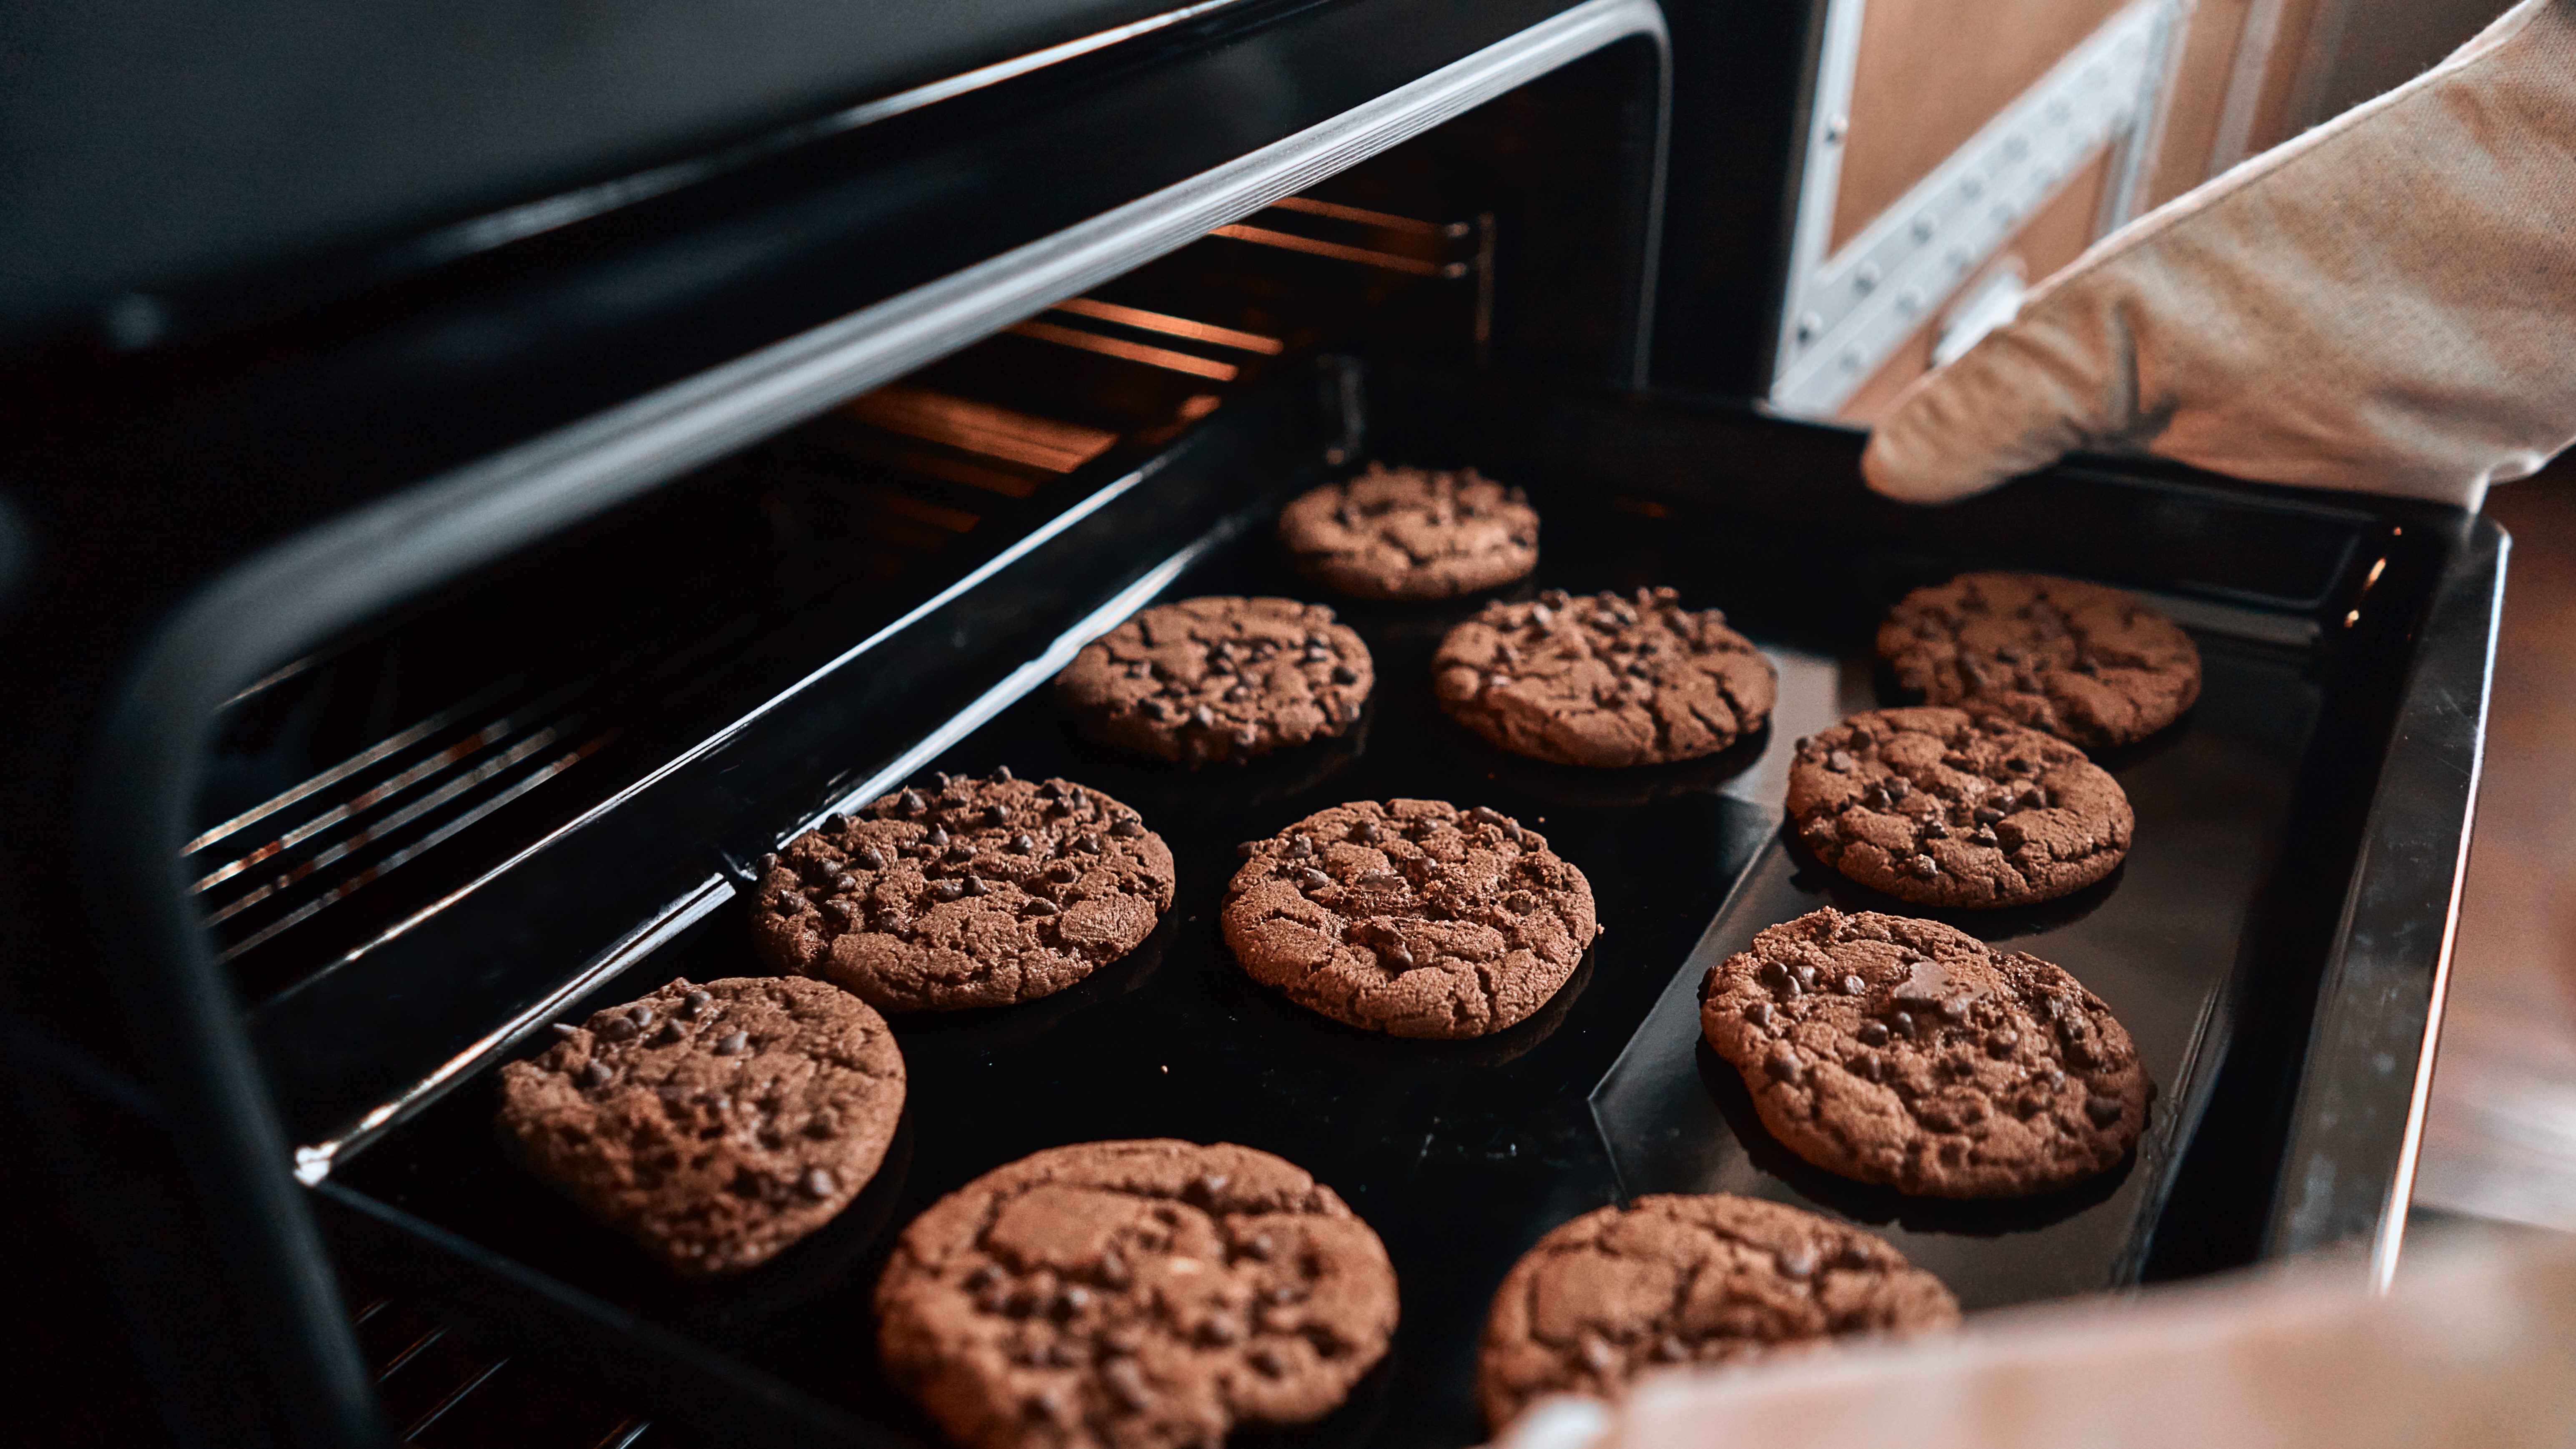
(1459,1153)
(2159,941)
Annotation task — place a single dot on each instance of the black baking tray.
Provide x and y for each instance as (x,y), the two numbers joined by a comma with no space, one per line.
(2232,919)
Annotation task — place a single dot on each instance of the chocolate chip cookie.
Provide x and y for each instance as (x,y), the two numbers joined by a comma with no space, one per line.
(972,893)
(1411,533)
(717,1124)
(1133,1294)
(1905,1053)
(1413,918)
(2083,662)
(1678,1280)
(1602,679)
(1219,678)
(1943,808)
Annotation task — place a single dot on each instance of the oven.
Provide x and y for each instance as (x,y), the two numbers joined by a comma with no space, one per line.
(417,643)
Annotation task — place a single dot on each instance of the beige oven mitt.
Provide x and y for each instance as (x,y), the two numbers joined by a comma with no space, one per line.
(2474,1349)
(2385,304)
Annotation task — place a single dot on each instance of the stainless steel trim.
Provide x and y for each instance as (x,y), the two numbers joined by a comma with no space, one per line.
(1846,314)
(520,222)
(2379,1008)
(2235,135)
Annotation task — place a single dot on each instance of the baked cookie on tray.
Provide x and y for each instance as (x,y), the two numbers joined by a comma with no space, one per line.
(717,1123)
(1133,1293)
(1604,679)
(1942,808)
(1904,1053)
(1219,678)
(974,893)
(2086,663)
(1411,533)
(1673,1280)
(1413,918)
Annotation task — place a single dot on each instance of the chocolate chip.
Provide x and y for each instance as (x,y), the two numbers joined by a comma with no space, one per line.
(819,1182)
(947,890)
(765,864)
(1925,865)
(1857,1255)
(693,1003)
(617,1028)
(2103,1110)
(1840,761)
(995,815)
(1798,1263)
(1898,787)
(1024,844)
(1003,773)
(974,885)
(1269,1361)
(1203,717)
(2000,1044)
(1933,829)
(911,803)
(1313,879)
(1041,907)
(1064,872)
(1154,709)
(1873,1033)
(1902,1023)
(1397,955)
(844,884)
(959,854)
(1759,1013)
(1379,880)
(1853,986)
(1069,1300)
(1088,844)
(937,839)
(563,1028)
(2017,765)
(734,1044)
(867,858)
(596,1074)
(1344,674)
(1246,849)
(1366,832)
(1783,1063)
(1487,815)
(1130,828)
(1300,847)
(1988,815)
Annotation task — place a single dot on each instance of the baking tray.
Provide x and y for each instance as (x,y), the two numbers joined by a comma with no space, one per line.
(2215,942)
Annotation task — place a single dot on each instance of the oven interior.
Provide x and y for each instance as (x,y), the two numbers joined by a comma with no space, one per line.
(532,793)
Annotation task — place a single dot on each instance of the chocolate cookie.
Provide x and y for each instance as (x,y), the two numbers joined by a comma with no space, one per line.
(1413,918)
(717,1124)
(1409,533)
(1219,678)
(1604,680)
(2083,662)
(1905,1053)
(978,893)
(1133,1294)
(1941,808)
(1677,1280)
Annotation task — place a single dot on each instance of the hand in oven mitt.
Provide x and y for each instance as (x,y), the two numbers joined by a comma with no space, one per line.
(2386,304)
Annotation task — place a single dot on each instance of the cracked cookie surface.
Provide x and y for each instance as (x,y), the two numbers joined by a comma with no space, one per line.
(716,1124)
(1219,678)
(1943,808)
(1136,1294)
(1909,1054)
(2088,664)
(1604,679)
(1411,533)
(1411,917)
(974,893)
(1676,1280)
